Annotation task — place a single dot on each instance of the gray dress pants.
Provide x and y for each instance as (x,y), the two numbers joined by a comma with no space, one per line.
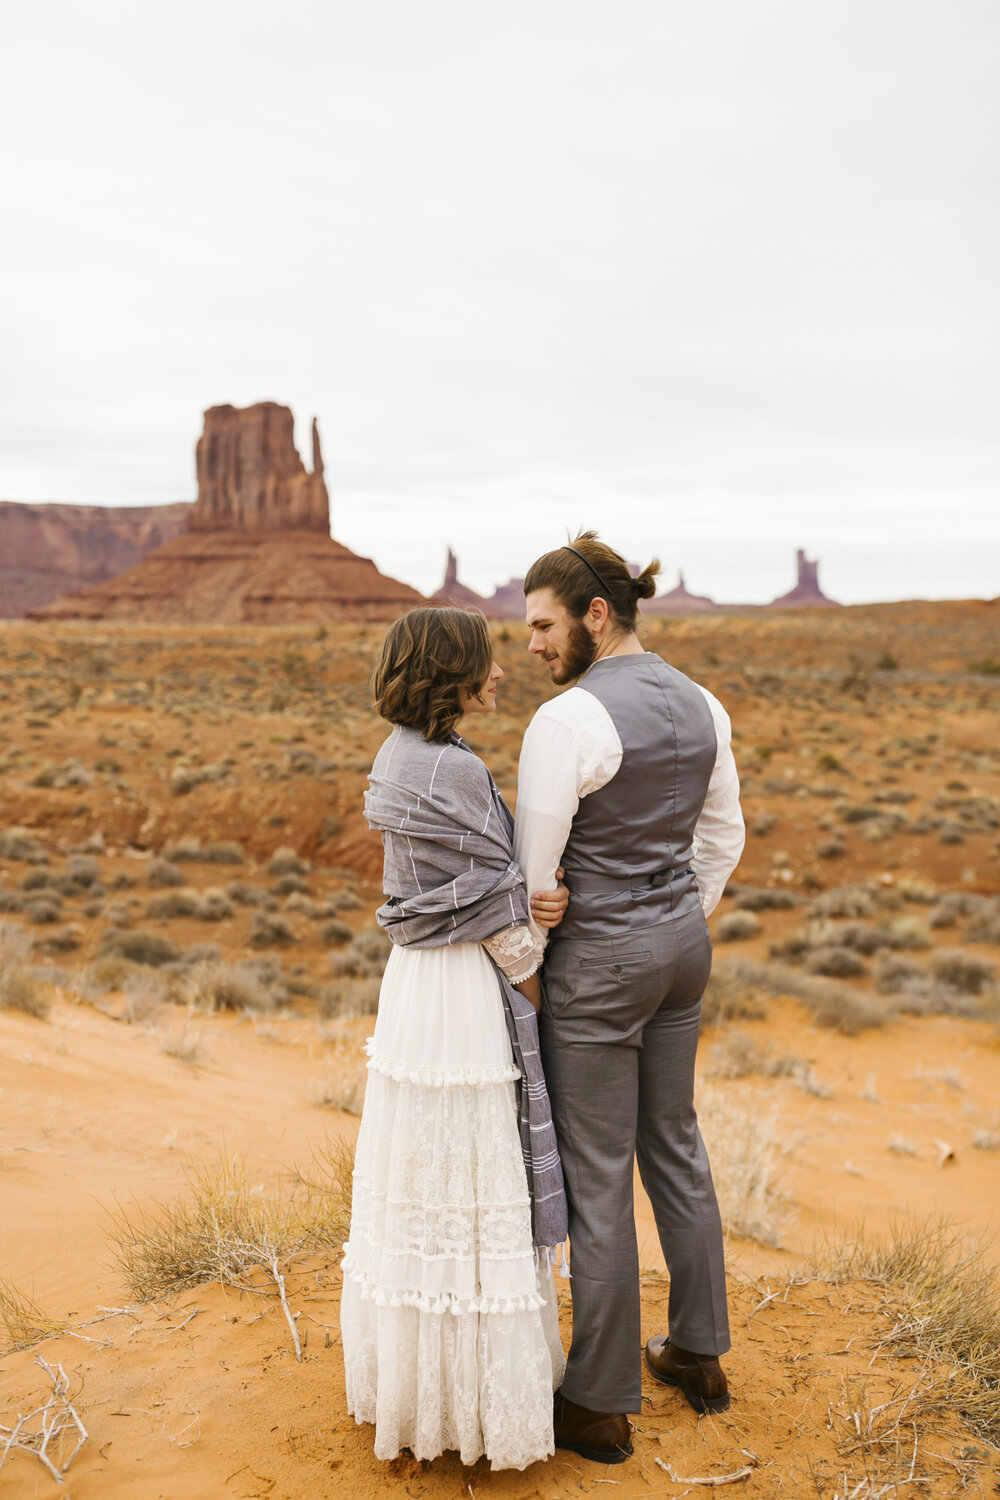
(619,1031)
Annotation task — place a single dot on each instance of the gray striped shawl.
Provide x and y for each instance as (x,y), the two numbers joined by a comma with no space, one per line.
(451,878)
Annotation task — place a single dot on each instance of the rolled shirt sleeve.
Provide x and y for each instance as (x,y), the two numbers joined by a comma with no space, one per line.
(719,834)
(570,749)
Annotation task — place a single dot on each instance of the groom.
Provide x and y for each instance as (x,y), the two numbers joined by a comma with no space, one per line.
(628,780)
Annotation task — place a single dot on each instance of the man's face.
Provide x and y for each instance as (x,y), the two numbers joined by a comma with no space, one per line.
(563,642)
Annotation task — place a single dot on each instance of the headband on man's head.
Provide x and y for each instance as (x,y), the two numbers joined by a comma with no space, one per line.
(603,582)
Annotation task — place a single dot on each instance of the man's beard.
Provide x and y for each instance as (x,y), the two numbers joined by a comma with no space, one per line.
(577,655)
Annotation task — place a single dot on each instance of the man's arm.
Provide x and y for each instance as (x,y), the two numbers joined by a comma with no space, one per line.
(719,834)
(547,801)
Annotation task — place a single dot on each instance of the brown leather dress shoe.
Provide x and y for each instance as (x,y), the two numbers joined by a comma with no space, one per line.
(604,1437)
(699,1376)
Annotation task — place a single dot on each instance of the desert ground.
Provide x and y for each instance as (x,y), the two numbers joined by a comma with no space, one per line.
(189,969)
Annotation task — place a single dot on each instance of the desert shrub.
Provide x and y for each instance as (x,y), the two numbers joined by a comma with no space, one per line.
(11,901)
(737,1055)
(763,898)
(226,852)
(164,872)
(955,905)
(287,885)
(742,1141)
(335,931)
(305,906)
(20,989)
(844,901)
(182,902)
(908,932)
(863,938)
(732,992)
(269,931)
(20,844)
(984,927)
(893,973)
(829,849)
(62,940)
(944,1302)
(852,812)
(103,975)
(225,1226)
(22,1321)
(187,848)
(365,956)
(837,962)
(139,947)
(345,901)
(344,1091)
(226,986)
(43,911)
(735,926)
(350,997)
(144,992)
(950,832)
(833,1004)
(36,880)
(198,953)
(83,870)
(285,861)
(920,892)
(963,971)
(763,824)
(248,895)
(185,1044)
(213,905)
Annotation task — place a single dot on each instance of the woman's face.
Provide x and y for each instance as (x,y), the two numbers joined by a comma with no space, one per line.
(485,702)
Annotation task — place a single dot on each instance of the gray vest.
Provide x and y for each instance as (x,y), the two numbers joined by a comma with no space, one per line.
(628,856)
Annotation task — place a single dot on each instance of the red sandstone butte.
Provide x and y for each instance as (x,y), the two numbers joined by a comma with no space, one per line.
(258,548)
(678,601)
(47,549)
(455,593)
(506,602)
(807,592)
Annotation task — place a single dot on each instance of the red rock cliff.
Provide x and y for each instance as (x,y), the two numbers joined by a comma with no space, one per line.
(48,550)
(250,476)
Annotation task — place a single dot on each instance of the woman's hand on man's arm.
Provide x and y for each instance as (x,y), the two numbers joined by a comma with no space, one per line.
(549,907)
(531,989)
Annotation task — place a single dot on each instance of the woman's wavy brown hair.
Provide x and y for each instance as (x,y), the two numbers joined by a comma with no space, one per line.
(427,659)
(589,569)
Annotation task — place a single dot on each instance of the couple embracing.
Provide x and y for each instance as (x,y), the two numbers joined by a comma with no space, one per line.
(535,1038)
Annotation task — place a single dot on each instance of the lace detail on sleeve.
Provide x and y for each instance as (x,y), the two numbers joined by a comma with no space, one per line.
(514,950)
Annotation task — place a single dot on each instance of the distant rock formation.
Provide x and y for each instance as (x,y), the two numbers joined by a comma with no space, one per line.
(679,602)
(250,476)
(506,603)
(455,593)
(258,549)
(807,592)
(48,549)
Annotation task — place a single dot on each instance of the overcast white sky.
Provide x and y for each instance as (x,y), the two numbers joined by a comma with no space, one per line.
(719,277)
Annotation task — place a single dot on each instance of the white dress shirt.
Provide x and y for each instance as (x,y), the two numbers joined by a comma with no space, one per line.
(571,748)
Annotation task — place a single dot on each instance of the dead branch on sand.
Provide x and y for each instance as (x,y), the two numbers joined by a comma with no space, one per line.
(58,1416)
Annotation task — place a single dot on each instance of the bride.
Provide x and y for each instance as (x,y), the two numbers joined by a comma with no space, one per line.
(448,1311)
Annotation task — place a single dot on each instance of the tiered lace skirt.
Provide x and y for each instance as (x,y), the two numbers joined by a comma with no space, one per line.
(450,1334)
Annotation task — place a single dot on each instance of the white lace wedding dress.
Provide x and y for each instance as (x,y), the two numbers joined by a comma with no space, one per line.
(450,1335)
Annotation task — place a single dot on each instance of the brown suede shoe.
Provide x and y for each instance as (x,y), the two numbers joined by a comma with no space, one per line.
(699,1376)
(604,1437)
